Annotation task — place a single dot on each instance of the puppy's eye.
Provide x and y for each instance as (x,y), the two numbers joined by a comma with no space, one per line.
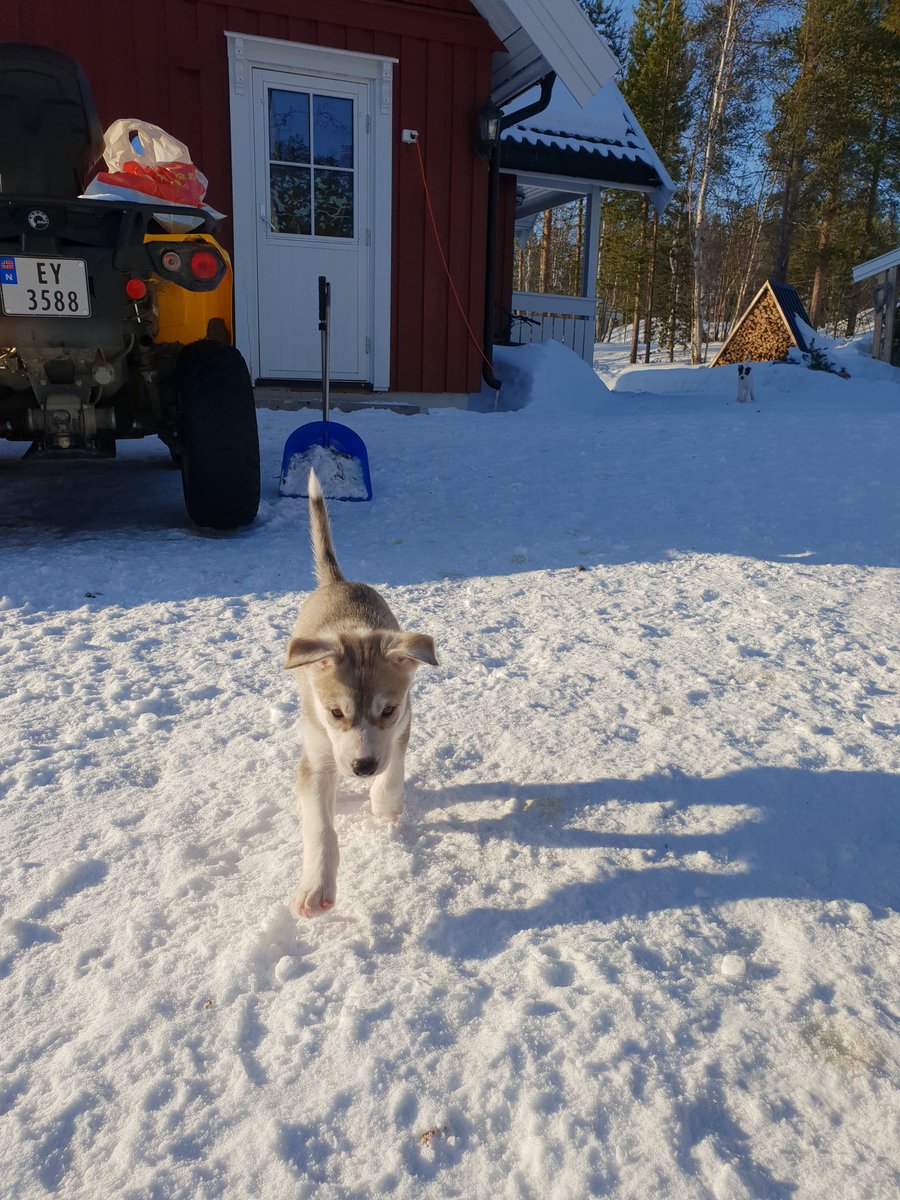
(389,710)
(337,714)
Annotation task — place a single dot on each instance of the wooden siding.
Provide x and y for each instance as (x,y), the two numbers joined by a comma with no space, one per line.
(441,79)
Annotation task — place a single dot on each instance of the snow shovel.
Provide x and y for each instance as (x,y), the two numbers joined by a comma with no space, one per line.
(336,453)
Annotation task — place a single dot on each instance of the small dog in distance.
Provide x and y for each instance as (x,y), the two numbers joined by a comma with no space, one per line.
(745,387)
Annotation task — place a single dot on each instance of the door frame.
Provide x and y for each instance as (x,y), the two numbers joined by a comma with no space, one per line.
(376,72)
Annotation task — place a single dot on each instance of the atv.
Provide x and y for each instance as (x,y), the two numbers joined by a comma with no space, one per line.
(110,327)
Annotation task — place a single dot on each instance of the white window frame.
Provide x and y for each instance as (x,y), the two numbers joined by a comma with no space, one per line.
(246,53)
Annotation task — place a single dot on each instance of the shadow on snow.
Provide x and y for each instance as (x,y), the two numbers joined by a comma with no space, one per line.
(799,835)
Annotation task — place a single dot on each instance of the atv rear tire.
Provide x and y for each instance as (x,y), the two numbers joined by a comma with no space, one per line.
(218,436)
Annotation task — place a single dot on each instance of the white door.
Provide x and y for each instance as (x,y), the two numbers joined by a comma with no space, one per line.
(313,217)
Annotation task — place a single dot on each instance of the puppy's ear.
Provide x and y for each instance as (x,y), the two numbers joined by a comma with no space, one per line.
(410,649)
(303,651)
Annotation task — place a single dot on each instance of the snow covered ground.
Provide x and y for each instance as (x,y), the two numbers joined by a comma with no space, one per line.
(637,935)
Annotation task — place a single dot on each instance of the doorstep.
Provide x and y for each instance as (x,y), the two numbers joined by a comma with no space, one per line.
(408,403)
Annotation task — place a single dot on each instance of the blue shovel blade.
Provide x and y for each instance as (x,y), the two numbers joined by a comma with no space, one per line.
(334,437)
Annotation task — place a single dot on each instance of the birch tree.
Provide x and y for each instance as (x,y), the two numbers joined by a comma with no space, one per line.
(727,79)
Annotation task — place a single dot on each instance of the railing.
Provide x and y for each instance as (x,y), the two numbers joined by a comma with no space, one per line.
(567,319)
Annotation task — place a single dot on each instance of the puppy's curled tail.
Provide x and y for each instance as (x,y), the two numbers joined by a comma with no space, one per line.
(324,558)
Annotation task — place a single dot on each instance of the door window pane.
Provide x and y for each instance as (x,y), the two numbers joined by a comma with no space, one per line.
(332,131)
(311,164)
(288,126)
(290,199)
(334,204)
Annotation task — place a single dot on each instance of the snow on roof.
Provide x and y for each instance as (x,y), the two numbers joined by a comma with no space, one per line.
(602,141)
(875,266)
(542,36)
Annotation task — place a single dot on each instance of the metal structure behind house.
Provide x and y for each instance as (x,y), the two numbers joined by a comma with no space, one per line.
(884,273)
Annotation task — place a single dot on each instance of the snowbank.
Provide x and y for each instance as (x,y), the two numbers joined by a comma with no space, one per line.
(772,379)
(547,376)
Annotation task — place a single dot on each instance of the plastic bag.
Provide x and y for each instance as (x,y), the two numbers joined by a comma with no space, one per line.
(176,182)
(144,157)
(146,164)
(130,140)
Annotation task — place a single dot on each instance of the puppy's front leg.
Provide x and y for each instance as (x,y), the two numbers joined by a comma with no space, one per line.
(317,788)
(386,794)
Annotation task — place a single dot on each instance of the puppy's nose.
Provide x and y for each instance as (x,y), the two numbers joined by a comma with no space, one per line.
(364,766)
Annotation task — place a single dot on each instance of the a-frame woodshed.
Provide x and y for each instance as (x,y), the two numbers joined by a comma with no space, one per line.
(768,328)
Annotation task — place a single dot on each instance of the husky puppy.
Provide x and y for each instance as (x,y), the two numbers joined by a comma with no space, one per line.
(354,670)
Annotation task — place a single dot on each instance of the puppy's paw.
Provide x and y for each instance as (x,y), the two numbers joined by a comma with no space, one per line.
(389,816)
(387,805)
(313,901)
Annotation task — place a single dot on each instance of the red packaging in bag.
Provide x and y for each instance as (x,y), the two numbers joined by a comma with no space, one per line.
(177,182)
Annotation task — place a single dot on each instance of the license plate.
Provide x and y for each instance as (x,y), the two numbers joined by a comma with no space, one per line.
(44,287)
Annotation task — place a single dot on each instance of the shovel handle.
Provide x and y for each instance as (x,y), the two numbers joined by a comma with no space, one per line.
(323,302)
(325,327)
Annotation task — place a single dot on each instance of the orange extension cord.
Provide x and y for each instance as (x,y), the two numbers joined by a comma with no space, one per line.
(437,240)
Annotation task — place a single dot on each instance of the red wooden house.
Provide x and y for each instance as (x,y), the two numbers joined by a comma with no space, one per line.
(310,119)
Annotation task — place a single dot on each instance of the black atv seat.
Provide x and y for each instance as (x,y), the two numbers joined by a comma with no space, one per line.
(50,133)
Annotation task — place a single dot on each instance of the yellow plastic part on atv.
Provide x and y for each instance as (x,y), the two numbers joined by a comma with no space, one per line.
(184,316)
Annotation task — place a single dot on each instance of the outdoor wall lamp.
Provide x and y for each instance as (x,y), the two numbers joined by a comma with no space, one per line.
(489,118)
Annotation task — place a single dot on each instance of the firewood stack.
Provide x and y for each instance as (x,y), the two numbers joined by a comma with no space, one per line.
(768,328)
(762,336)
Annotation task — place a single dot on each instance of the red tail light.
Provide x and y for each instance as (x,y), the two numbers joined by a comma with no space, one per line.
(136,289)
(204,264)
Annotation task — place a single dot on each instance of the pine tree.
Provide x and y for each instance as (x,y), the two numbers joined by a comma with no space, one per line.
(607,19)
(657,88)
(836,146)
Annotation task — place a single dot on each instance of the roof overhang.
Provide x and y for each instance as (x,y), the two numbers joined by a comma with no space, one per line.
(875,266)
(600,145)
(536,193)
(541,36)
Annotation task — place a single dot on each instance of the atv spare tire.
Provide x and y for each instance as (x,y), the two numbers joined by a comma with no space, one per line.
(218,436)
